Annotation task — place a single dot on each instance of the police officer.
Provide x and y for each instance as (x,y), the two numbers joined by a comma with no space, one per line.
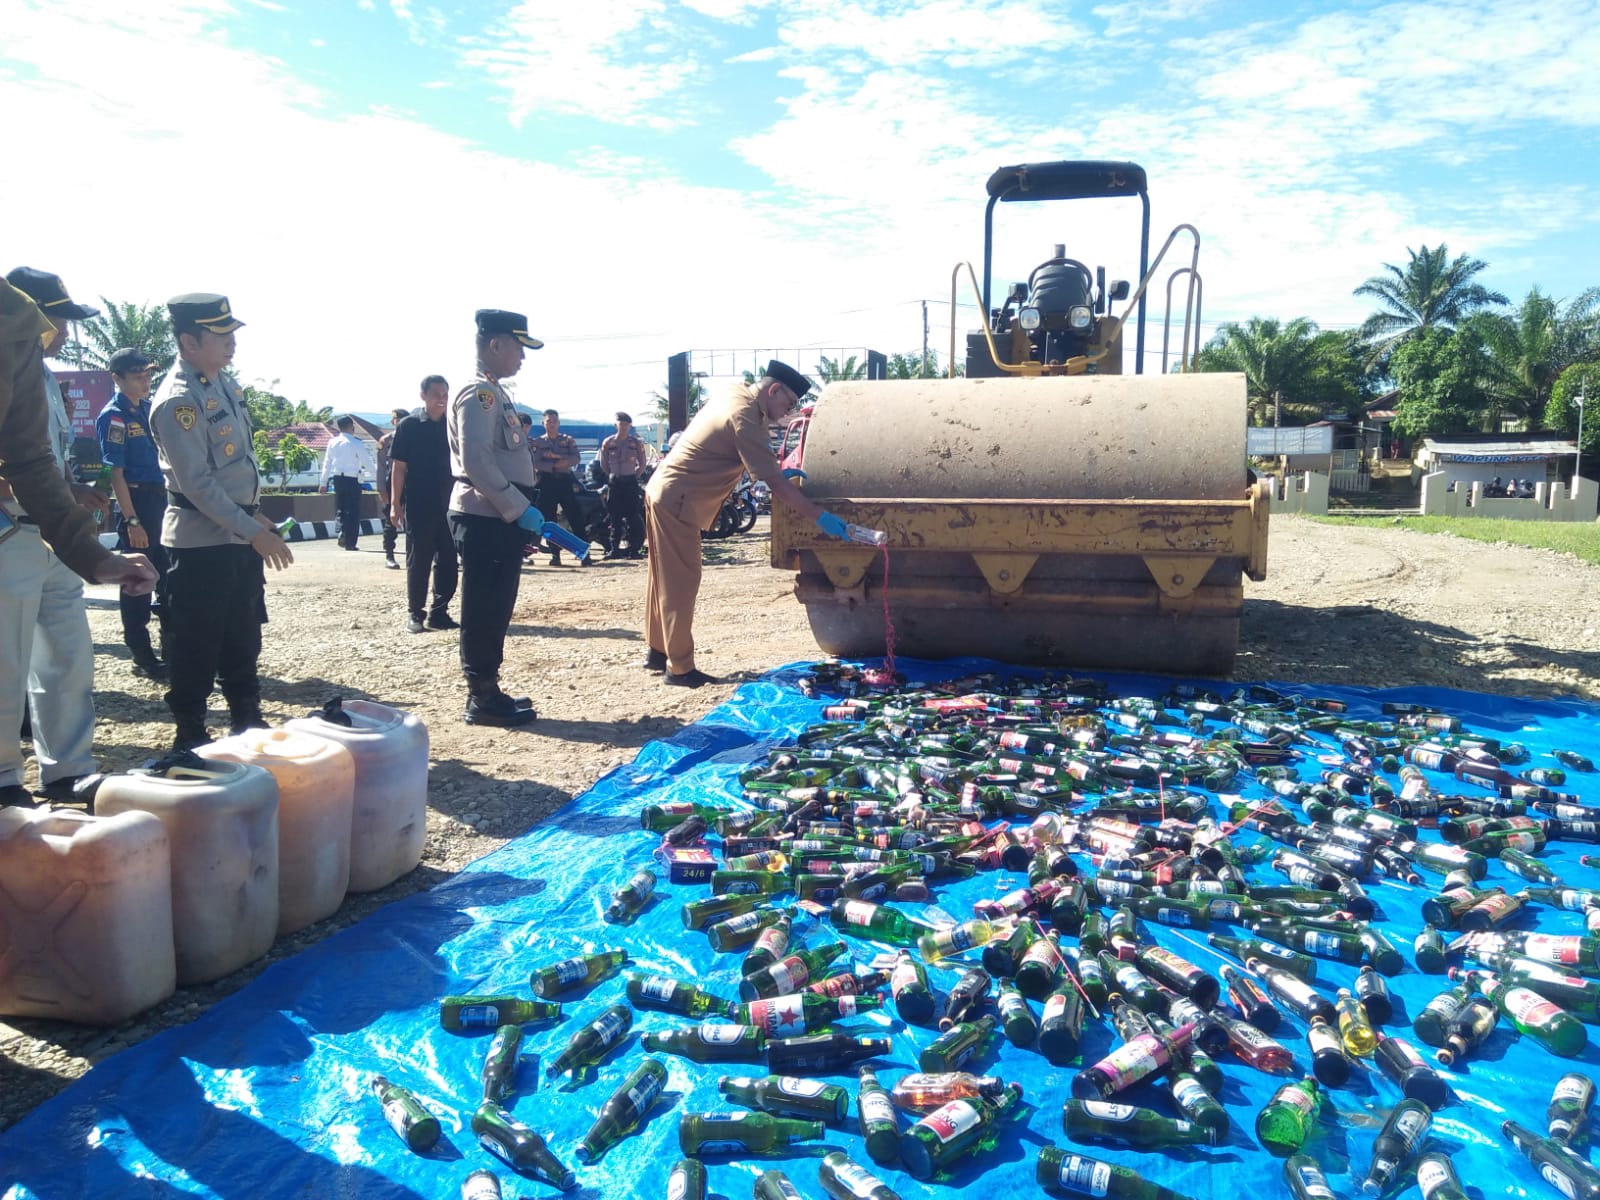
(555,457)
(123,429)
(491,509)
(624,459)
(217,541)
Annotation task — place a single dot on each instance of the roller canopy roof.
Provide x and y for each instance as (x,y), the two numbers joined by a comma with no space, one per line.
(1067,181)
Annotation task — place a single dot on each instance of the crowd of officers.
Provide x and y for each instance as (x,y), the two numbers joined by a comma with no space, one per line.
(462,476)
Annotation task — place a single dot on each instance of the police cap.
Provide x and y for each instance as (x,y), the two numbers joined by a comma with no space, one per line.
(49,293)
(498,320)
(789,377)
(207,310)
(127,361)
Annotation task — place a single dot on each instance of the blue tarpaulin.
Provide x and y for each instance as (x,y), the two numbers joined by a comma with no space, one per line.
(265,1094)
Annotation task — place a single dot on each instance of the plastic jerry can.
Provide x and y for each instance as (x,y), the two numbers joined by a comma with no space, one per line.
(390,819)
(222,822)
(316,793)
(85,915)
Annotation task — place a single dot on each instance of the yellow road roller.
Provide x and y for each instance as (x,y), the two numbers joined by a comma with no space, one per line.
(1046,508)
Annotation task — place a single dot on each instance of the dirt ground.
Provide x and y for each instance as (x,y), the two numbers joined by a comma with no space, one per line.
(1378,606)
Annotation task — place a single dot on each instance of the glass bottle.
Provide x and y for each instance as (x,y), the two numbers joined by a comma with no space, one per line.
(1373,993)
(481,1185)
(908,984)
(418,1128)
(1324,943)
(572,973)
(878,922)
(1251,999)
(1306,1179)
(1130,1062)
(1016,1018)
(799,1012)
(1298,996)
(844,1179)
(591,1043)
(1430,952)
(1282,1126)
(922,1092)
(711,911)
(955,1130)
(660,993)
(628,900)
(1198,1106)
(687,1180)
(1061,1025)
(519,1147)
(1040,967)
(1558,1163)
(1354,1027)
(1468,1031)
(1064,1173)
(1285,959)
(481,1014)
(742,1133)
(1543,1020)
(771,941)
(821,1053)
(1178,974)
(875,1116)
(1126,1125)
(621,1113)
(1436,1176)
(1254,1047)
(789,974)
(1397,1143)
(499,1071)
(1570,1102)
(956,1046)
(788,1096)
(709,1043)
(971,990)
(1399,1060)
(1328,1061)
(775,1185)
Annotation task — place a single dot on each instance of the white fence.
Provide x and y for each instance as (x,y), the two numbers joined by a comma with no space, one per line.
(1306,493)
(1550,502)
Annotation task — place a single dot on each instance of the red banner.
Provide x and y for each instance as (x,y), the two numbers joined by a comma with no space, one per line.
(86,393)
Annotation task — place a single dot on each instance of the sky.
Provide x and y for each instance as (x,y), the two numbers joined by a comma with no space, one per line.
(743,178)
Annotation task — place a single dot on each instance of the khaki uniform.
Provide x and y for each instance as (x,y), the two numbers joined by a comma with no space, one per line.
(488,453)
(202,429)
(726,438)
(554,455)
(25,458)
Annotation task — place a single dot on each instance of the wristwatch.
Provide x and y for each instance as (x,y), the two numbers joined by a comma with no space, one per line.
(133,520)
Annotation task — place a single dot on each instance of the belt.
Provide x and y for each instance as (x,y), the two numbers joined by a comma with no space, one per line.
(179,501)
(134,487)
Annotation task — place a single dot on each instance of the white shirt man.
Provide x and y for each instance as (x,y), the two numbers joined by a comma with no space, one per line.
(345,460)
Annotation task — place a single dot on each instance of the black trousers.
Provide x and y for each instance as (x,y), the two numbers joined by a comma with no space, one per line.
(348,490)
(625,503)
(561,490)
(491,568)
(215,605)
(150,506)
(429,548)
(391,535)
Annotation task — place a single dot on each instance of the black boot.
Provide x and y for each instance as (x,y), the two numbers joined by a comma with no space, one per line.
(245,713)
(488,705)
(191,733)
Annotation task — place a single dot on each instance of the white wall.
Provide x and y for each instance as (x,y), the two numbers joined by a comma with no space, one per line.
(1551,502)
(1306,493)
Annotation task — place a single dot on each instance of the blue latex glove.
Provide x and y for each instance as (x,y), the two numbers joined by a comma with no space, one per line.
(833,526)
(793,473)
(531,519)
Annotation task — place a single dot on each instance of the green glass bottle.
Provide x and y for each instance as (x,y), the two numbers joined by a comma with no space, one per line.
(1436,1176)
(1543,1020)
(573,973)
(1434,1021)
(519,1147)
(771,943)
(844,1179)
(789,974)
(1561,1166)
(759,884)
(499,1071)
(1041,965)
(620,1115)
(957,1046)
(1429,951)
(800,1012)
(1016,1018)
(658,818)
(418,1128)
(951,940)
(481,1185)
(484,1014)
(1061,1024)
(1127,1125)
(1380,952)
(876,922)
(1306,1179)
(1468,1031)
(1397,1144)
(629,900)
(1568,1112)
(788,1096)
(591,1043)
(1285,959)
(1063,1173)
(775,1185)
(1283,1124)
(709,1043)
(1324,943)
(821,1053)
(1198,1106)
(875,1116)
(659,993)
(687,1180)
(908,985)
(742,1133)
(954,1130)
(710,912)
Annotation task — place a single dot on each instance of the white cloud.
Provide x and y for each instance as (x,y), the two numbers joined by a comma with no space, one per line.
(955,33)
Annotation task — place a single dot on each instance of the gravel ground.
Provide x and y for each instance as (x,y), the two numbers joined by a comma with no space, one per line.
(1380,607)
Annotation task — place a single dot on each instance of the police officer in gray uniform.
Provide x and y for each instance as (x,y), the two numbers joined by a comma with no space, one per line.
(491,508)
(215,588)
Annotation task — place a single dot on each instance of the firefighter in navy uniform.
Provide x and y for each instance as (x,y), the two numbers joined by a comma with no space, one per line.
(216,540)
(123,430)
(491,510)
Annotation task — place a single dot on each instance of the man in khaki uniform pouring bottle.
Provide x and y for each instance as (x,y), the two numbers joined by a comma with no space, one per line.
(727,437)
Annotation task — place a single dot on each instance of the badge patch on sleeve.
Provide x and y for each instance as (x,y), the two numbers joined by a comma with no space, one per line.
(116,433)
(186,415)
(487,399)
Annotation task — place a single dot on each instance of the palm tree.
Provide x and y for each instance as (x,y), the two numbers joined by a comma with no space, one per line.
(147,329)
(1527,351)
(697,397)
(830,370)
(1278,361)
(1431,291)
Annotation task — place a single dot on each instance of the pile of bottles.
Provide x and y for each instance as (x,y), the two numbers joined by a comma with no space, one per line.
(1157,943)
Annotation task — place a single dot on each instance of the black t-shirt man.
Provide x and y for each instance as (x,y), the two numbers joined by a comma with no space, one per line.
(422,446)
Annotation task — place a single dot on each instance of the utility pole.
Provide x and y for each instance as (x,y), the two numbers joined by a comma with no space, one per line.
(924,339)
(1583,399)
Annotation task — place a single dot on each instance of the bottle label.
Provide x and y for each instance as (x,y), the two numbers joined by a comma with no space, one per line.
(805,1089)
(659,988)
(503,1153)
(904,976)
(1054,1007)
(398,1115)
(1107,1111)
(481,1185)
(1276,951)
(1296,1096)
(1313,1183)
(1174,916)
(781,1015)
(643,1094)
(958,939)
(478,1016)
(789,975)
(1079,1174)
(612,1026)
(1412,1126)
(1558,1180)
(855,1177)
(1527,1007)
(1188,1092)
(859,912)
(1132,1061)
(570,971)
(1326,943)
(721,1035)
(1432,1173)
(1573,1087)
(1552,948)
(875,1106)
(952,1120)
(723,1147)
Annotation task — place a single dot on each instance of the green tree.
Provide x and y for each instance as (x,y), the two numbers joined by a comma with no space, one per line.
(1579,383)
(1429,292)
(1440,377)
(1530,348)
(290,457)
(830,370)
(144,328)
(697,397)
(304,413)
(268,410)
(910,365)
(1292,363)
